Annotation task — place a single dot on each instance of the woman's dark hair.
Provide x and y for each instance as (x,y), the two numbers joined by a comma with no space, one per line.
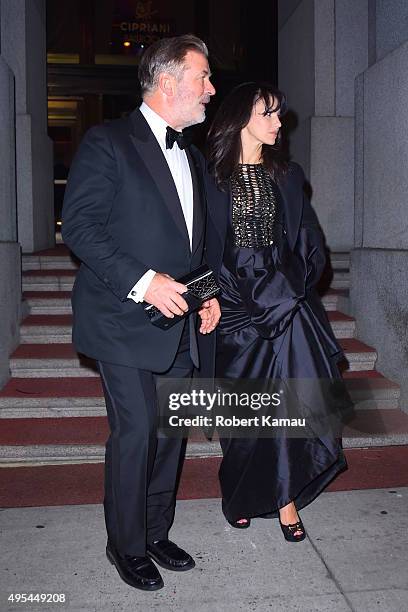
(224,136)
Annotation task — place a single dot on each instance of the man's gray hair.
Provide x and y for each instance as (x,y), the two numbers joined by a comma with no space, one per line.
(167,55)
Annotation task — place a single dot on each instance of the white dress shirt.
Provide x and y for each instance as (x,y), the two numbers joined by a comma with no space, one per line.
(180,171)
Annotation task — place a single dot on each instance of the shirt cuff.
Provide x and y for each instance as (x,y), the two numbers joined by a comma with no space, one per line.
(138,291)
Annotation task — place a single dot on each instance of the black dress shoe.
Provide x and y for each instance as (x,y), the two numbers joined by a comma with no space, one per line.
(168,555)
(138,572)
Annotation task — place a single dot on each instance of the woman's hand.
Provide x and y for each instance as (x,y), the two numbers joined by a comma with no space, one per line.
(210,313)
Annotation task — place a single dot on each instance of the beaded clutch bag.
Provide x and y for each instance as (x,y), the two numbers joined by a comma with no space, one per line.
(201,286)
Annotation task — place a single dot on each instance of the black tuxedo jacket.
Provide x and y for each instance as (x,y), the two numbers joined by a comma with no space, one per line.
(122,216)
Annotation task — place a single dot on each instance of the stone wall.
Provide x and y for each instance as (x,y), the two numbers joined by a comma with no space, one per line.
(379,262)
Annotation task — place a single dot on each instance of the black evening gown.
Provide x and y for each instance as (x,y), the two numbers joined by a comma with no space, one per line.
(273,326)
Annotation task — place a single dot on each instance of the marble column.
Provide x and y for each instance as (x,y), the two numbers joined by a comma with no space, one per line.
(322,47)
(10,274)
(23,36)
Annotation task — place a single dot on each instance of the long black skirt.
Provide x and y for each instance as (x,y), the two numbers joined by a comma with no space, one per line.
(274,326)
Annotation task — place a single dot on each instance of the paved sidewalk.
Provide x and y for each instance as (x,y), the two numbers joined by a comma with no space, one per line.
(355,558)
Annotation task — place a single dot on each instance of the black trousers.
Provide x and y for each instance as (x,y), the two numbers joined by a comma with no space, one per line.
(140,468)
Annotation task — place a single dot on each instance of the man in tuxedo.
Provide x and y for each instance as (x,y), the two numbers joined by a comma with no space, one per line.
(135,215)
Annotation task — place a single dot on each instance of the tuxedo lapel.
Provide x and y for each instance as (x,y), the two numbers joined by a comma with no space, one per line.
(199,203)
(152,156)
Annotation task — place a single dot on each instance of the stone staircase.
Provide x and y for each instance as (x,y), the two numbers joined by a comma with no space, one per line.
(52,408)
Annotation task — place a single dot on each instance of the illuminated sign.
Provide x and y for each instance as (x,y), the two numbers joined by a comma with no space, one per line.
(141,22)
(136,26)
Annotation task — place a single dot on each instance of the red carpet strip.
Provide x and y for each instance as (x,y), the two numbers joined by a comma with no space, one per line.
(58,250)
(58,485)
(91,387)
(52,387)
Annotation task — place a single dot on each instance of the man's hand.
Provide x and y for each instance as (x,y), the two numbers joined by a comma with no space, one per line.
(210,314)
(164,293)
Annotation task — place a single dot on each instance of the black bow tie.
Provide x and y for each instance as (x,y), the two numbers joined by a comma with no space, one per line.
(173,136)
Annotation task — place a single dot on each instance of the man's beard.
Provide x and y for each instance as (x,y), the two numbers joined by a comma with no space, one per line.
(186,118)
(195,121)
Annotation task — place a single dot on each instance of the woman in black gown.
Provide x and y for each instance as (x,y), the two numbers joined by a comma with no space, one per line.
(273,324)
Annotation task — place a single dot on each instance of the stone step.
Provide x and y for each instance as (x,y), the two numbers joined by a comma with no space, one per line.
(360,356)
(336,299)
(58,258)
(49,302)
(371,390)
(342,324)
(376,428)
(339,260)
(46,329)
(60,360)
(370,428)
(56,329)
(69,262)
(341,279)
(45,360)
(63,280)
(61,407)
(48,280)
(35,262)
(11,456)
(83,397)
(59,302)
(52,397)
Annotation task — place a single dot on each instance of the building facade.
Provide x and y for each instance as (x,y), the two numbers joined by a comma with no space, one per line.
(344,67)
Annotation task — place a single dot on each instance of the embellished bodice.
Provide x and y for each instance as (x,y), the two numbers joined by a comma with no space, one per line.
(255,206)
